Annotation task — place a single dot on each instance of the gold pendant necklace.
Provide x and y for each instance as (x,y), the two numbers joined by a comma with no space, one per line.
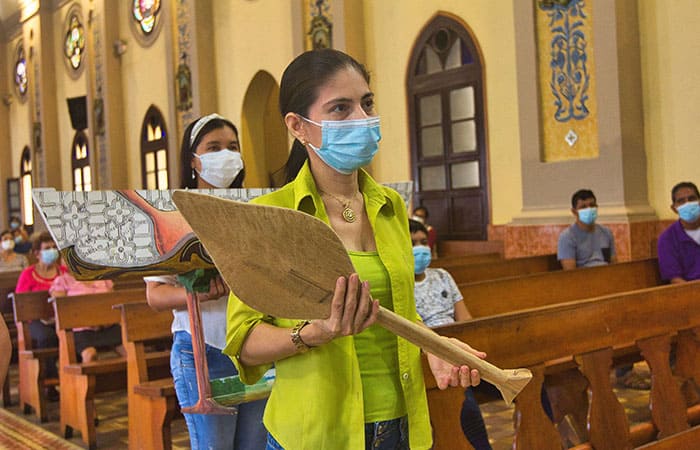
(348,213)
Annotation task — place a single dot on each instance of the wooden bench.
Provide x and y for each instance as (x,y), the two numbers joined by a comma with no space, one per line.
(31,362)
(446,248)
(587,333)
(152,400)
(502,268)
(448,262)
(8,281)
(81,381)
(504,295)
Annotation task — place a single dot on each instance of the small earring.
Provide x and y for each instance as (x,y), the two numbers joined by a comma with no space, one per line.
(193,174)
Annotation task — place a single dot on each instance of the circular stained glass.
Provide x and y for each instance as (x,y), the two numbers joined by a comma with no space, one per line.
(74,44)
(21,71)
(145,12)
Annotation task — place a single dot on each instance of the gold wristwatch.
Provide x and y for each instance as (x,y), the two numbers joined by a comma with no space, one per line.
(296,337)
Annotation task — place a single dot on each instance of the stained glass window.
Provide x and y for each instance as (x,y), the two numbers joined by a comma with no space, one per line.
(154,151)
(80,162)
(74,44)
(25,173)
(21,71)
(145,12)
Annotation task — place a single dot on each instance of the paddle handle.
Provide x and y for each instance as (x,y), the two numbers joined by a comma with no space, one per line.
(433,343)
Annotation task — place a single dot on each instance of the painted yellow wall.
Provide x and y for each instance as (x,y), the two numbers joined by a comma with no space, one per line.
(387,58)
(19,117)
(670,67)
(146,82)
(250,37)
(66,87)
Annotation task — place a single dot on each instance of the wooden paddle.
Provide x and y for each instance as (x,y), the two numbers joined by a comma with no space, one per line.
(285,263)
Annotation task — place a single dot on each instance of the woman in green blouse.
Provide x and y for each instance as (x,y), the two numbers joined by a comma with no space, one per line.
(343,382)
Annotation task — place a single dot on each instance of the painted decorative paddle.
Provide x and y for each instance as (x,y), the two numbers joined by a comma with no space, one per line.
(285,263)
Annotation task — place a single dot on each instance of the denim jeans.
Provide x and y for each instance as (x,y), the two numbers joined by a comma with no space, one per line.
(385,435)
(242,431)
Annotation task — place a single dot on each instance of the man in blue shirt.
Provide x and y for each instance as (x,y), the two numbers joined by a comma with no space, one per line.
(679,244)
(585,243)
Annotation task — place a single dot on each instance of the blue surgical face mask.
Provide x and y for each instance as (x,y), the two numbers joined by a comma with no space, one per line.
(421,258)
(347,145)
(588,215)
(14,225)
(689,211)
(49,256)
(18,239)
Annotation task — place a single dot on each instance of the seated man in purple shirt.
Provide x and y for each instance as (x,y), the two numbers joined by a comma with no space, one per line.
(679,244)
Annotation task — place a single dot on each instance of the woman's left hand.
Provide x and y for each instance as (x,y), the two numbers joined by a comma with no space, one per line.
(447,374)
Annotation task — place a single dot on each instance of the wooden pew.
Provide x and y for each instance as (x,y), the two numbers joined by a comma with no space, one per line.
(448,262)
(505,295)
(587,333)
(31,362)
(81,381)
(502,268)
(5,353)
(152,400)
(8,281)
(446,248)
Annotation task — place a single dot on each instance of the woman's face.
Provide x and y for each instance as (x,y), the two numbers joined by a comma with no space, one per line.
(345,96)
(46,245)
(214,141)
(7,237)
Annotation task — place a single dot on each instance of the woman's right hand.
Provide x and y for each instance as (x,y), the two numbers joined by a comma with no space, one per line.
(352,311)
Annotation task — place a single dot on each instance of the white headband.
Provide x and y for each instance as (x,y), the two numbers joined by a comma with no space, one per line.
(200,124)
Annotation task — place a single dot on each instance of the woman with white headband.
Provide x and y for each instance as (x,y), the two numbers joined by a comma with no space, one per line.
(210,158)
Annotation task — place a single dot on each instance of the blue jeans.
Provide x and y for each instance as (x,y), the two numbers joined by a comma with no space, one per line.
(385,435)
(240,431)
(473,422)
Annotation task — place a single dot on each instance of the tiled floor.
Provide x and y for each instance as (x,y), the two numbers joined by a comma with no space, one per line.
(112,413)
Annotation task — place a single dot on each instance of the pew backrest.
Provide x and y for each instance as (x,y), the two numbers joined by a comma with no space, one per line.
(503,268)
(92,310)
(504,295)
(29,306)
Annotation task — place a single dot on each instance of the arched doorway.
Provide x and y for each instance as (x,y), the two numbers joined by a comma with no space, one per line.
(447,129)
(264,143)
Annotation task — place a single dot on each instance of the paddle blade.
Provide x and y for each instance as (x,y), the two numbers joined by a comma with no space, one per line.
(294,284)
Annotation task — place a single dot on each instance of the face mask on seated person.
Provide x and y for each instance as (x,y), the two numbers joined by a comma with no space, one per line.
(588,215)
(347,145)
(8,244)
(49,256)
(689,211)
(220,168)
(421,258)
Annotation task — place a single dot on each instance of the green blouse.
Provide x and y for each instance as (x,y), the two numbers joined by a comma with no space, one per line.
(317,400)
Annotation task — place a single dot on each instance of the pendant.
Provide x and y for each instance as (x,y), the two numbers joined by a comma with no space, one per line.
(349,215)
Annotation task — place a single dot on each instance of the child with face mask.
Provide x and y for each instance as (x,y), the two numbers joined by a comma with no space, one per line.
(40,277)
(439,302)
(9,259)
(210,159)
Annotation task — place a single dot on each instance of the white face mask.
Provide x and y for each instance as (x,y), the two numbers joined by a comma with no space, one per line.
(220,168)
(8,244)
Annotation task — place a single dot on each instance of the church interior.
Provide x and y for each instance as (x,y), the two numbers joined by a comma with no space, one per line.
(495,112)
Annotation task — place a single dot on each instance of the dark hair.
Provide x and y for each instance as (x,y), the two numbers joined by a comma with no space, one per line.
(581,194)
(414,226)
(15,219)
(299,88)
(4,232)
(42,237)
(296,159)
(188,177)
(421,208)
(681,185)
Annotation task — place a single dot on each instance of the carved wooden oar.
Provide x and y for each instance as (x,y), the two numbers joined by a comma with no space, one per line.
(285,263)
